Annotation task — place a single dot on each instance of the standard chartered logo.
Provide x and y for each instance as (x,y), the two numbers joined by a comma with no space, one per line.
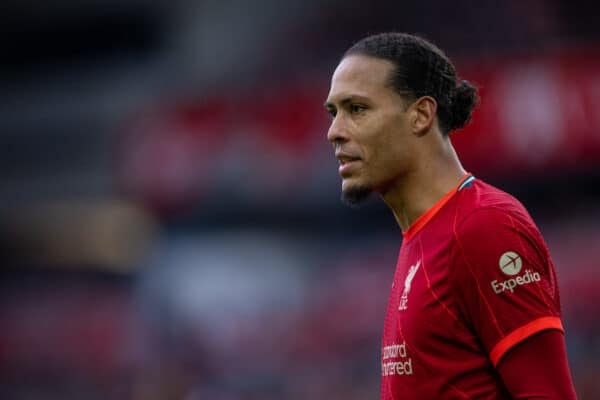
(510,263)
(396,361)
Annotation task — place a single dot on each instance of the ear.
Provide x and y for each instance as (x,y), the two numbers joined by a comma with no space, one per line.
(423,115)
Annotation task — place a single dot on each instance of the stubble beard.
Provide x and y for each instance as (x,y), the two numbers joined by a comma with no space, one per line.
(356,196)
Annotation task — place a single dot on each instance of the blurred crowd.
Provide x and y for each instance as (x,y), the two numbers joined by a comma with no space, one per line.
(170,220)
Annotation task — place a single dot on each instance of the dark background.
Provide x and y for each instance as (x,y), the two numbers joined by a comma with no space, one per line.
(170,221)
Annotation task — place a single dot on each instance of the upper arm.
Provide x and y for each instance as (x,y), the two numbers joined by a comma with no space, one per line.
(504,280)
(538,368)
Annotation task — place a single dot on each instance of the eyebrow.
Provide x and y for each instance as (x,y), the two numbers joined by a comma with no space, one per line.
(344,101)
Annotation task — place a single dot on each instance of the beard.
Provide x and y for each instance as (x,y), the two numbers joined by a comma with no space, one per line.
(354,197)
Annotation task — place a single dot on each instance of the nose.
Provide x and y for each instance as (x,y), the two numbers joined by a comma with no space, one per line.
(337,133)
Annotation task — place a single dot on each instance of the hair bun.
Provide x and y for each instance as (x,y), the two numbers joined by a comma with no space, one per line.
(464,100)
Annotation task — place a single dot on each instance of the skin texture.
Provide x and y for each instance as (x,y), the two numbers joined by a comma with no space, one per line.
(391,147)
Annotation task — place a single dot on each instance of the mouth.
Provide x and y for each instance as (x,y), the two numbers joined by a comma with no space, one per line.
(347,163)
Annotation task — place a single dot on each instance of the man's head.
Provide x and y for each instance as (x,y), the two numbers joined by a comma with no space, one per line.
(392,96)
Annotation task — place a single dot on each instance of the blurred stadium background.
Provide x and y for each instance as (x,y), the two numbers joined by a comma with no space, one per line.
(169,212)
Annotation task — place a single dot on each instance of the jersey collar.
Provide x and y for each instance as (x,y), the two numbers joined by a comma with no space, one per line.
(420,222)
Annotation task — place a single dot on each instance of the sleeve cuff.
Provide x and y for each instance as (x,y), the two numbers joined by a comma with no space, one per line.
(522,333)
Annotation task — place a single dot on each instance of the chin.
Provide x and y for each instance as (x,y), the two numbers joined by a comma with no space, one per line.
(355,195)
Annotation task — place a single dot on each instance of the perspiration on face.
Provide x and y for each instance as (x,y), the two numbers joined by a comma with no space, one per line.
(369,123)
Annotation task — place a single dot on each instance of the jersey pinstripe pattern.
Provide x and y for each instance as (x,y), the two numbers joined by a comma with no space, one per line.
(455,309)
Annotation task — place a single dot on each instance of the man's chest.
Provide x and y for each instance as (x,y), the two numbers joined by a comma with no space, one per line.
(421,318)
(421,290)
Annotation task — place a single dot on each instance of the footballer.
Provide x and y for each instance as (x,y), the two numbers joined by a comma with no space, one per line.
(474,309)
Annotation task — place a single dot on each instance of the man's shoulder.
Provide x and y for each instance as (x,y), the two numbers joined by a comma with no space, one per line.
(495,225)
(485,209)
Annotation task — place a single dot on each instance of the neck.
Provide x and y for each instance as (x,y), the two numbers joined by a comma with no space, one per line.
(416,192)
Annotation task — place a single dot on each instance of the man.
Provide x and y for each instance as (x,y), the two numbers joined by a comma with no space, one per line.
(474,311)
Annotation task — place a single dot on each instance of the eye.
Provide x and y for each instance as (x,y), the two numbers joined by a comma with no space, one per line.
(357,108)
(332,112)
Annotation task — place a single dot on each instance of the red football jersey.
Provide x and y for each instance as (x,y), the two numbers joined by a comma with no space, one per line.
(474,278)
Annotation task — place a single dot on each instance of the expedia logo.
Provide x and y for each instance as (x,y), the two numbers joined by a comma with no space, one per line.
(510,263)
(511,284)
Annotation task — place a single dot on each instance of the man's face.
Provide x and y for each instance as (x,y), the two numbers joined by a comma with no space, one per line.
(370,129)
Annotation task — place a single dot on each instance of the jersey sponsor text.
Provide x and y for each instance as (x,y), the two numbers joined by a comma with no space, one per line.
(512,283)
(399,364)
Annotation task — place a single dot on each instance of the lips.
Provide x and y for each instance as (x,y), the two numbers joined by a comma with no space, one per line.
(347,162)
(344,158)
(346,169)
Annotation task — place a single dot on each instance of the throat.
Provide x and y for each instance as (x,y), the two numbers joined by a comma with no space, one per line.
(412,201)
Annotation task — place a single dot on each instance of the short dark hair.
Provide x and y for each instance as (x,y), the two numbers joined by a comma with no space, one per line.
(422,69)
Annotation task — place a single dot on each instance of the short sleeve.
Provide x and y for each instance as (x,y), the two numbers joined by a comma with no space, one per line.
(503,279)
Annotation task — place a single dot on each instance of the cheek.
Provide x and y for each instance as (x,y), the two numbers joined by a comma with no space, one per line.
(383,143)
(392,155)
(389,161)
(375,138)
(386,143)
